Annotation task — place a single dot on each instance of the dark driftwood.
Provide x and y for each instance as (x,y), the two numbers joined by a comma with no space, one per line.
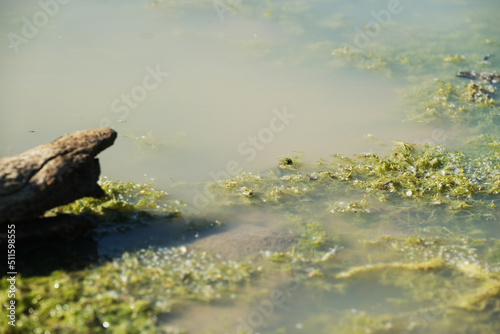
(52,174)
(488,77)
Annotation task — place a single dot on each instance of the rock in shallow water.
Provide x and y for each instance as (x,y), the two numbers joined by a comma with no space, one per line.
(52,174)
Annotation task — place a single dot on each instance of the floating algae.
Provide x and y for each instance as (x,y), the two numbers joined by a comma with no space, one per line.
(437,273)
(443,101)
(128,293)
(422,266)
(123,200)
(449,290)
(436,263)
(429,174)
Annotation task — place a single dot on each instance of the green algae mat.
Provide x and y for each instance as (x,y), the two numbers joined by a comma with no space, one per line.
(403,241)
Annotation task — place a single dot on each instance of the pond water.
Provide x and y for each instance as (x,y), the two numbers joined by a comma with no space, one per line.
(217,85)
(200,91)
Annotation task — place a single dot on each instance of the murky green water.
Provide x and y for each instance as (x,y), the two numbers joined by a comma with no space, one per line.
(402,238)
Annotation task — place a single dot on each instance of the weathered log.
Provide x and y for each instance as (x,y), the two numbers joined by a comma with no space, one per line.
(53,174)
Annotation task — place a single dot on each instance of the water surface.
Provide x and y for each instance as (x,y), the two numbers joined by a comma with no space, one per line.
(199,92)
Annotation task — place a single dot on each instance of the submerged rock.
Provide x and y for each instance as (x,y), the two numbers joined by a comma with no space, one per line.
(246,240)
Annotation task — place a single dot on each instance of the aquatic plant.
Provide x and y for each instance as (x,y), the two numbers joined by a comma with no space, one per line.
(123,201)
(125,295)
(432,283)
(428,174)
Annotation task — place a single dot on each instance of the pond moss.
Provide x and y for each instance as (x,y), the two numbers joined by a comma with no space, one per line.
(444,101)
(123,200)
(443,282)
(432,264)
(364,60)
(448,280)
(127,293)
(421,266)
(486,297)
(427,174)
(436,95)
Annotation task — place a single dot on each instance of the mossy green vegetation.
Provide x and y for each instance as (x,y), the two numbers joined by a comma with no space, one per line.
(429,283)
(445,267)
(426,190)
(441,270)
(123,201)
(457,101)
(404,241)
(365,60)
(435,94)
(125,295)
(426,174)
